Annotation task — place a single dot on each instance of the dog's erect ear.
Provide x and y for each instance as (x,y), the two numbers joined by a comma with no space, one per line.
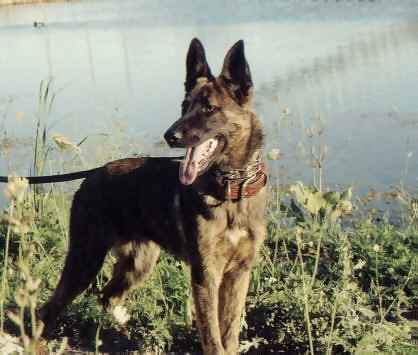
(236,73)
(196,65)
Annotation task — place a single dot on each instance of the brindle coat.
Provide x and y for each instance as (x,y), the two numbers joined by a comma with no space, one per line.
(138,205)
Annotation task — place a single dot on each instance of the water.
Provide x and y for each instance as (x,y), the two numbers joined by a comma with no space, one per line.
(351,63)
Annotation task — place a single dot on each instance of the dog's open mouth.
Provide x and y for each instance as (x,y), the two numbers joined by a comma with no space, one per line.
(196,160)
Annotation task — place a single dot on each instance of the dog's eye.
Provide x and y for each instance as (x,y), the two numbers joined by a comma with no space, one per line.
(208,109)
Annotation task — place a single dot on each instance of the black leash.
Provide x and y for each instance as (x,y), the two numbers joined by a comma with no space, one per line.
(55,178)
(46,179)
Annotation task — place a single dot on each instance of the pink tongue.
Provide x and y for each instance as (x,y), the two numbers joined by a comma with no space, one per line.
(189,167)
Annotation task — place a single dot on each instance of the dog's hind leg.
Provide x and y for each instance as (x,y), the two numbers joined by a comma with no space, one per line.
(87,250)
(136,261)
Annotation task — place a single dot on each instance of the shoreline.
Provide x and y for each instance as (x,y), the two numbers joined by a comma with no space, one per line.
(27,2)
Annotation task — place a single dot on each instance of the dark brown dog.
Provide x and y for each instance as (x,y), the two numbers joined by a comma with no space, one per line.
(207,209)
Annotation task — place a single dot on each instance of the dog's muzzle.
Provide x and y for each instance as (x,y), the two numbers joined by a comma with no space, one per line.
(173,138)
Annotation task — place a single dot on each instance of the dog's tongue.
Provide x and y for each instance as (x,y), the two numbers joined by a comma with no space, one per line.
(189,167)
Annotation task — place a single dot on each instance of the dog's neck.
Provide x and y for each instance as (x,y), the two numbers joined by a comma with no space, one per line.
(246,147)
(241,173)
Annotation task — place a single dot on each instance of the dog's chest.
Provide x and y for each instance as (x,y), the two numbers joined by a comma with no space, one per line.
(235,235)
(231,223)
(237,228)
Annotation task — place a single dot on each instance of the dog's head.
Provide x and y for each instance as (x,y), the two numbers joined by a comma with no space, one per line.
(215,112)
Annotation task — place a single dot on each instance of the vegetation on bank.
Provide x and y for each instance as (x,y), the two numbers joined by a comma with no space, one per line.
(332,278)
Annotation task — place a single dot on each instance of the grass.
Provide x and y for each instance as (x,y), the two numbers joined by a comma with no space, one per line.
(325,282)
(317,288)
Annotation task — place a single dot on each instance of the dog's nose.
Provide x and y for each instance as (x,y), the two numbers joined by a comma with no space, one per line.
(173,137)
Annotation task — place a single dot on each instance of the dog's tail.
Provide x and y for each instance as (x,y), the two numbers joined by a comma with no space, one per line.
(54,178)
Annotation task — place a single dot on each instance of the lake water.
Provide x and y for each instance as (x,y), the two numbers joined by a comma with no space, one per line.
(336,74)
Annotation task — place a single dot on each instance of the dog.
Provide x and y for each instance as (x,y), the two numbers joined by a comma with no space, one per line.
(207,208)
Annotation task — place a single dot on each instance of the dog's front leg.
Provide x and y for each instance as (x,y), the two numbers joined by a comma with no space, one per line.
(232,295)
(206,283)
(234,287)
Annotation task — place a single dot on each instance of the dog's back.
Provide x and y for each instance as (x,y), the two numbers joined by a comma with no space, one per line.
(139,198)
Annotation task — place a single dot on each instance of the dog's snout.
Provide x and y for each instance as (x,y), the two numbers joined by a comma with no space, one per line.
(173,137)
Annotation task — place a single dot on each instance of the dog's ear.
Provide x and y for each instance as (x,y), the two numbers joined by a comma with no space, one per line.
(196,65)
(236,73)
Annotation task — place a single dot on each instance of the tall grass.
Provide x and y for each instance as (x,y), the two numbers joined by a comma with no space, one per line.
(42,149)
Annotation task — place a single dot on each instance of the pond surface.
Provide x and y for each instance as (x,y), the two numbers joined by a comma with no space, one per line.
(335,76)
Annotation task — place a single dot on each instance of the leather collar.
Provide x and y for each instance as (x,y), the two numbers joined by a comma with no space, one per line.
(237,184)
